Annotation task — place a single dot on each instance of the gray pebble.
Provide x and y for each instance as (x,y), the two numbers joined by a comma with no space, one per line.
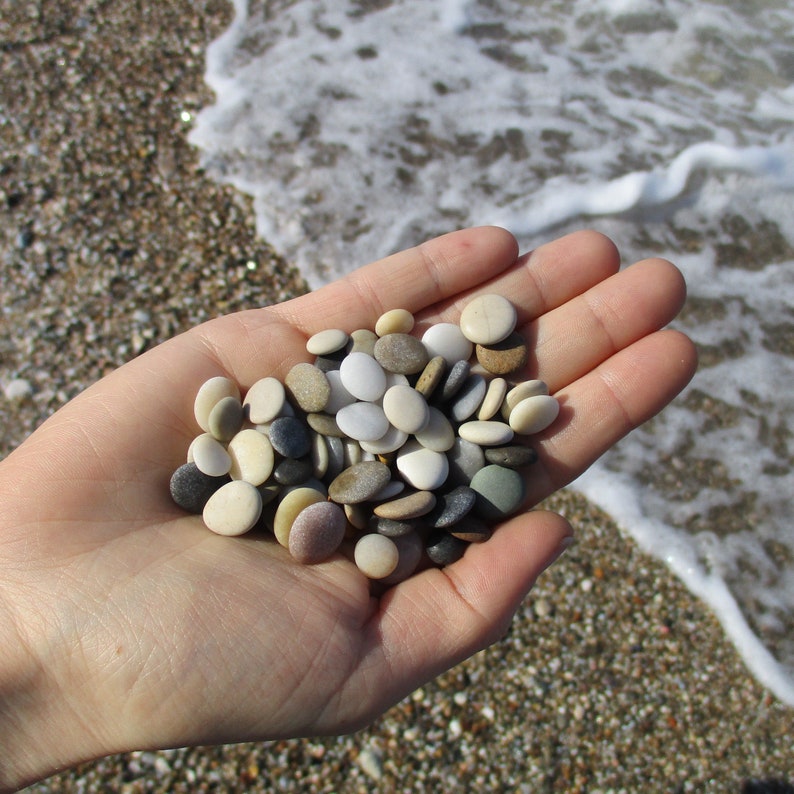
(330,362)
(226,418)
(390,527)
(360,482)
(500,492)
(401,353)
(191,488)
(451,507)
(453,382)
(336,457)
(292,471)
(290,437)
(469,398)
(308,386)
(465,460)
(443,548)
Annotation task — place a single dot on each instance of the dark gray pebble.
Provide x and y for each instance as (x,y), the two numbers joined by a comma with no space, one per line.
(471,529)
(451,507)
(330,361)
(292,471)
(290,437)
(191,488)
(443,548)
(391,528)
(513,457)
(453,382)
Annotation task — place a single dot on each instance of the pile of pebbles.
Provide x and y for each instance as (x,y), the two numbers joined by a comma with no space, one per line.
(403,449)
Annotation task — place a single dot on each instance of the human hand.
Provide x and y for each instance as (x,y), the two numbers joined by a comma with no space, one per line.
(126,624)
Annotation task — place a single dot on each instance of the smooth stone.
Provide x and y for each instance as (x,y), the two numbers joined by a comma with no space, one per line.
(210,456)
(251,456)
(488,319)
(264,400)
(452,506)
(325,424)
(410,549)
(340,396)
(362,341)
(389,491)
(363,421)
(290,506)
(453,382)
(336,457)
(226,418)
(528,388)
(494,397)
(443,548)
(465,460)
(191,487)
(390,527)
(325,342)
(500,492)
(438,434)
(394,321)
(293,471)
(319,455)
(406,409)
(359,483)
(330,362)
(534,414)
(376,556)
(353,452)
(422,468)
(504,357)
(363,377)
(401,353)
(308,386)
(486,434)
(358,515)
(513,457)
(290,437)
(317,532)
(390,442)
(431,376)
(469,398)
(447,340)
(471,529)
(209,394)
(233,509)
(413,505)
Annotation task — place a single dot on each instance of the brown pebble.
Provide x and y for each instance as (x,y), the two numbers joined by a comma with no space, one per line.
(413,505)
(360,482)
(431,376)
(325,425)
(504,357)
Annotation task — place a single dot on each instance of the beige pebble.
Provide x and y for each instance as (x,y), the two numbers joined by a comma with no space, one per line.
(209,394)
(431,376)
(488,319)
(528,388)
(264,400)
(494,397)
(376,556)
(534,414)
(233,509)
(363,341)
(486,434)
(251,456)
(308,386)
(323,343)
(438,434)
(293,502)
(406,409)
(394,321)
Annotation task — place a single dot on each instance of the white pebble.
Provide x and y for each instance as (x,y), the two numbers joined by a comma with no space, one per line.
(494,397)
(363,421)
(340,396)
(529,388)
(17,390)
(212,392)
(391,441)
(488,319)
(325,342)
(233,509)
(534,414)
(210,456)
(422,468)
(376,556)
(363,377)
(447,340)
(486,434)
(264,400)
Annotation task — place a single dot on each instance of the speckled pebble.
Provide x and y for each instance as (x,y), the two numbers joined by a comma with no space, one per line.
(359,483)
(290,437)
(317,532)
(443,548)
(376,556)
(453,382)
(394,321)
(500,492)
(413,505)
(290,506)
(209,394)
(401,353)
(233,509)
(308,386)
(469,398)
(452,506)
(505,357)
(534,414)
(226,418)
(264,400)
(191,488)
(431,376)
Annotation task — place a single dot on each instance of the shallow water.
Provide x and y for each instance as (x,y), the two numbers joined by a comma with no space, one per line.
(363,127)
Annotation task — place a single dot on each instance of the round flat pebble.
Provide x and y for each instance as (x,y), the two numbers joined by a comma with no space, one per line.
(528,388)
(504,357)
(290,437)
(448,341)
(401,353)
(325,424)
(469,398)
(414,505)
(251,456)
(534,414)
(452,506)
(359,483)
(376,556)
(210,456)
(211,392)
(363,421)
(443,548)
(471,529)
(317,532)
(486,434)
(308,386)
(340,396)
(288,509)
(453,382)
(431,376)
(363,341)
(390,442)
(422,468)
(438,434)
(406,409)
(465,460)
(514,457)
(264,400)
(494,397)
(363,377)
(499,492)
(326,342)
(233,509)
(394,321)
(488,319)
(226,418)
(191,488)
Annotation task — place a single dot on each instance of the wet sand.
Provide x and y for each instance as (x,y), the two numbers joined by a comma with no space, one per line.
(612,676)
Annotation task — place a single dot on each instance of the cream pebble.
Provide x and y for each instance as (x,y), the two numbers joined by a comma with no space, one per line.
(323,343)
(488,319)
(395,321)
(534,414)
(212,392)
(210,456)
(528,388)
(438,434)
(376,556)
(251,456)
(363,421)
(406,408)
(494,397)
(486,434)
(422,468)
(391,441)
(264,400)
(233,509)
(288,509)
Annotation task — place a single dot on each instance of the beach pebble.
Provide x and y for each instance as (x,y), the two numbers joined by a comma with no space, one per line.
(319,456)
(406,409)
(504,357)
(409,550)
(401,353)
(325,424)
(340,396)
(514,457)
(488,319)
(362,341)
(336,456)
(376,556)
(469,398)
(390,527)
(293,471)
(308,386)
(452,506)
(528,388)
(394,321)
(431,376)
(290,437)
(413,505)
(251,456)
(358,516)
(471,529)
(392,488)
(486,434)
(457,375)
(362,421)
(443,548)
(317,532)
(422,468)
(500,491)
(359,483)
(438,434)
(465,460)
(534,414)
(264,400)
(191,488)
(448,341)
(363,377)
(290,506)
(210,456)
(494,397)
(390,442)
(233,509)
(323,343)
(330,362)
(226,418)
(209,394)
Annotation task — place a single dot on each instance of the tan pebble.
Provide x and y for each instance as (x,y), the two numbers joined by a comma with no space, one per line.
(504,357)
(486,434)
(376,556)
(528,388)
(264,400)
(320,455)
(251,456)
(431,376)
(363,341)
(289,507)
(233,509)
(534,414)
(211,392)
(406,409)
(494,396)
(308,386)
(323,343)
(415,504)
(395,321)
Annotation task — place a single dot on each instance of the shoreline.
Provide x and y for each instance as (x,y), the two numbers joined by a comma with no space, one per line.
(613,676)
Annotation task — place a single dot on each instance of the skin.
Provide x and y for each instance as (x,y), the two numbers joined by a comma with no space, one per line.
(126,624)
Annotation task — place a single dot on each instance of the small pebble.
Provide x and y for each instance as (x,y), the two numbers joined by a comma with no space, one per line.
(233,509)
(325,424)
(359,483)
(471,529)
(363,341)
(326,342)
(264,400)
(494,397)
(486,434)
(376,556)
(409,549)
(488,319)
(210,393)
(317,532)
(210,456)
(191,488)
(226,418)
(431,376)
(447,340)
(534,414)
(414,505)
(465,460)
(469,398)
(308,386)
(401,353)
(394,321)
(406,409)
(363,377)
(319,455)
(500,492)
(390,527)
(392,488)
(330,362)
(514,457)
(363,421)
(438,434)
(292,471)
(290,437)
(390,442)
(422,468)
(290,506)
(453,382)
(340,396)
(529,388)
(336,456)
(451,507)
(251,456)
(443,548)
(504,357)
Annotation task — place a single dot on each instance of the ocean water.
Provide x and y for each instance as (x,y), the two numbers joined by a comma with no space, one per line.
(360,127)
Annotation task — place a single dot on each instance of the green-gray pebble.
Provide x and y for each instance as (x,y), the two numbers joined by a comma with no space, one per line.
(500,491)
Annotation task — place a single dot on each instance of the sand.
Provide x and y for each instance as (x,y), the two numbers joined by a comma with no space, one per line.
(612,677)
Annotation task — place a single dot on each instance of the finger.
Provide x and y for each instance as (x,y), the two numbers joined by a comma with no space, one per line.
(601,407)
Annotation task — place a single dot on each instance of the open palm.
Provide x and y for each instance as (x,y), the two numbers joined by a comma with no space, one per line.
(127,624)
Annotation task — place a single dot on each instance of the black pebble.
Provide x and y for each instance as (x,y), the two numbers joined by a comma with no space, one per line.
(191,488)
(444,549)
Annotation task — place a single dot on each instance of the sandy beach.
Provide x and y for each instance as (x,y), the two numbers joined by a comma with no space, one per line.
(612,677)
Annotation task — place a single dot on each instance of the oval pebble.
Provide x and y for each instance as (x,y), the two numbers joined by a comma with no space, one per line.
(469,398)
(528,388)
(340,396)
(422,468)
(413,505)
(452,506)
(317,532)
(401,353)
(363,421)
(359,483)
(336,456)
(406,409)
(226,418)
(363,377)
(534,414)
(453,382)
(394,321)
(264,400)
(514,457)
(390,527)
(494,397)
(211,392)
(376,556)
(362,341)
(465,460)
(390,442)
(325,342)
(210,456)
(438,434)
(410,549)
(504,357)
(319,456)
(389,491)
(431,376)
(251,456)
(325,424)
(291,504)
(486,434)
(191,488)
(443,548)
(447,340)
(233,509)
(290,437)
(308,386)
(488,319)
(500,491)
